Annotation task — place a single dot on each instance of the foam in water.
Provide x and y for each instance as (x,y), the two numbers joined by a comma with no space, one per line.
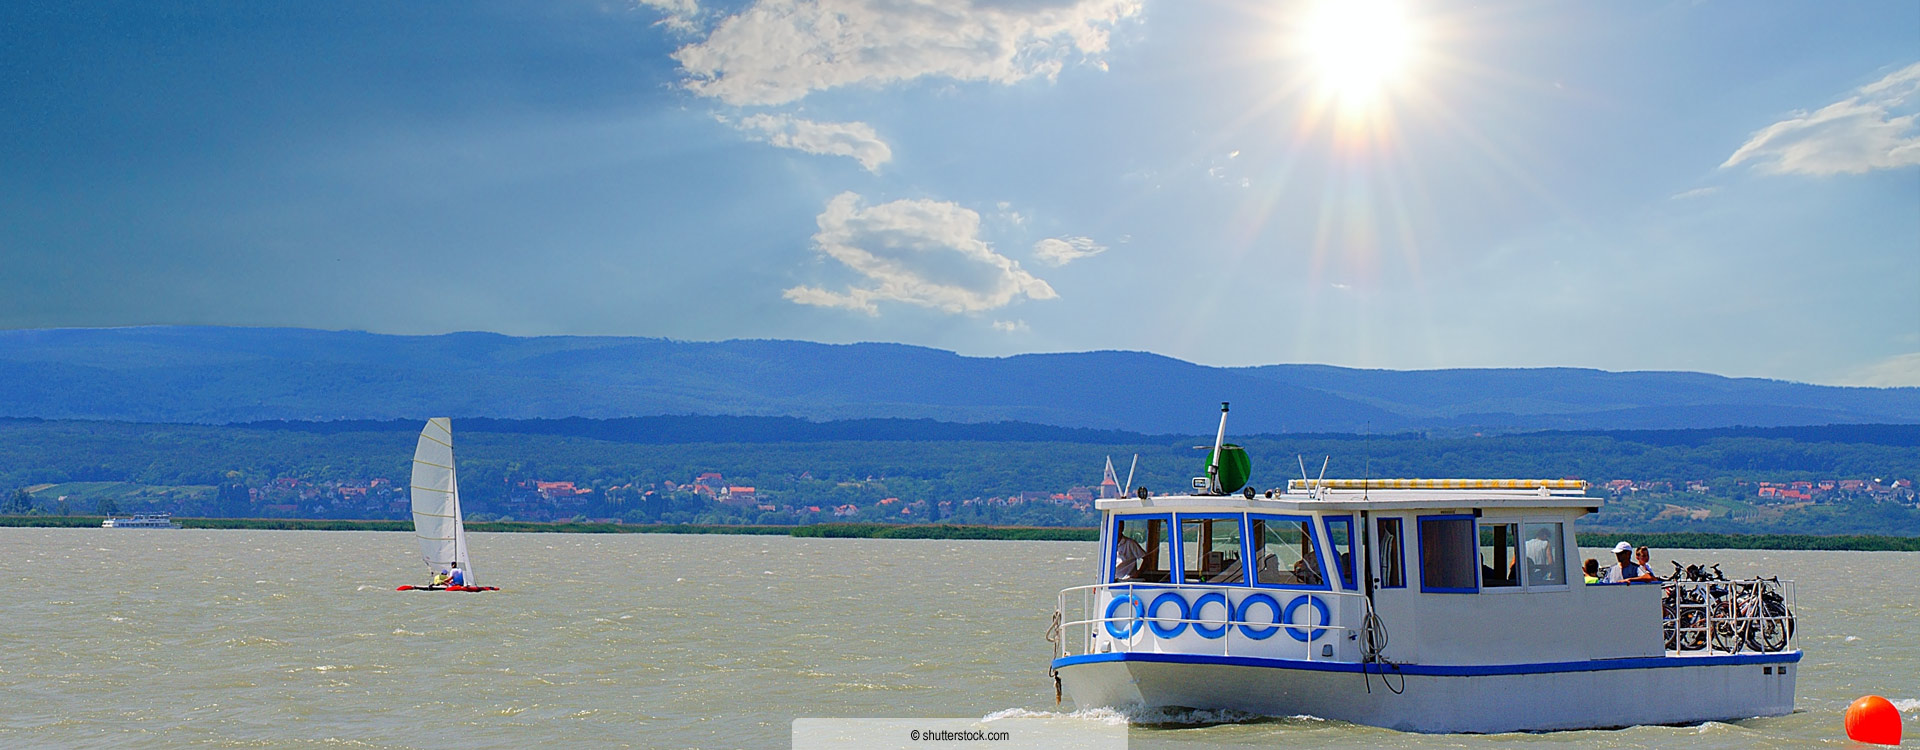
(1181,717)
(1907,704)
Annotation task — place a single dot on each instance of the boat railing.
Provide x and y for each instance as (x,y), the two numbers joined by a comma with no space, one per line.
(1084,620)
(1727,616)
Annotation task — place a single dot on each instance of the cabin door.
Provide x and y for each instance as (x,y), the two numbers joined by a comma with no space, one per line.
(1395,593)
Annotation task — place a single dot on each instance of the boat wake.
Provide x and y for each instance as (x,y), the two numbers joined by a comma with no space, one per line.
(1151,717)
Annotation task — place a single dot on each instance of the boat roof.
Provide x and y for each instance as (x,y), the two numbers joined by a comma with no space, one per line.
(1380,494)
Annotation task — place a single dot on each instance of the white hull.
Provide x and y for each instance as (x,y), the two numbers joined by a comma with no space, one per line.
(1662,690)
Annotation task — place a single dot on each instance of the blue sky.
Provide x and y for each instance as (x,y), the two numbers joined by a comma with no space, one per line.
(1724,187)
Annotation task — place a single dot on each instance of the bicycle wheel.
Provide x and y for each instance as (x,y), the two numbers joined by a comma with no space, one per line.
(1775,629)
(1728,637)
(1769,636)
(1691,633)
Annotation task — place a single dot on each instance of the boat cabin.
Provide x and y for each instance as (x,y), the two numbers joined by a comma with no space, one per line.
(1407,571)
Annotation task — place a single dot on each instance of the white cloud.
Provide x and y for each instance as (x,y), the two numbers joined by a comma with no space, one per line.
(855,140)
(677,15)
(1700,192)
(1010,326)
(1897,371)
(1063,250)
(920,252)
(1872,129)
(779,51)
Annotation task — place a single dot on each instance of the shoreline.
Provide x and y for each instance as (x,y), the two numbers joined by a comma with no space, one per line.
(1661,540)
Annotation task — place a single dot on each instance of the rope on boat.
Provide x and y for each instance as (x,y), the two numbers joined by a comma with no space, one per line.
(1054,637)
(1377,637)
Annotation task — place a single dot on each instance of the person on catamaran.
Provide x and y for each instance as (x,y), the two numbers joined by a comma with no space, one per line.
(456,577)
(440,578)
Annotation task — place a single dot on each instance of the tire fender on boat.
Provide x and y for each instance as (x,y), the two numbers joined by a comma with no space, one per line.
(1208,631)
(1133,625)
(1307,634)
(1260,633)
(1153,615)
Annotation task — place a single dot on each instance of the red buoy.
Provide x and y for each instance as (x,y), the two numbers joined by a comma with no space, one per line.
(1872,719)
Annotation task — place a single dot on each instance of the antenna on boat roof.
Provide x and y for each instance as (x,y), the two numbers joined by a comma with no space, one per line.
(1213,463)
(1323,473)
(1136,464)
(1303,469)
(1367,471)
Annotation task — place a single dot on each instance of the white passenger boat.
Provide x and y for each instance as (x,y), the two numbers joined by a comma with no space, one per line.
(1281,602)
(141,521)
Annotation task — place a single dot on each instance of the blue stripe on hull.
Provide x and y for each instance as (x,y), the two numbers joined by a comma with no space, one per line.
(1439,670)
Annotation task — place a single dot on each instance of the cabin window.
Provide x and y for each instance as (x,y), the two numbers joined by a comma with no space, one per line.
(1340,540)
(1142,550)
(1211,549)
(1283,551)
(1499,555)
(1393,573)
(1447,560)
(1541,551)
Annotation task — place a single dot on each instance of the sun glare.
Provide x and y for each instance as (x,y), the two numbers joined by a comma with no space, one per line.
(1358,48)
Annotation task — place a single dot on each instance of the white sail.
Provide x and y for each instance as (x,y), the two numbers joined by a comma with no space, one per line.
(436,500)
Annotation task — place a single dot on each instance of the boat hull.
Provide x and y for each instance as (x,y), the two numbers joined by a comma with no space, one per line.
(1508,698)
(447,588)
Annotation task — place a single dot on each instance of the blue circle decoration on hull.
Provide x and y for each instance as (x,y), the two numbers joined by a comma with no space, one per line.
(1133,625)
(1153,615)
(1209,631)
(1260,633)
(1306,634)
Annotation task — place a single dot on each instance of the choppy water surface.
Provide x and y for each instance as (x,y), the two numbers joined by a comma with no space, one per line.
(124,638)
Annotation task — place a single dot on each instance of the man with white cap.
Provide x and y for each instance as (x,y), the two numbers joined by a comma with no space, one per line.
(1624,570)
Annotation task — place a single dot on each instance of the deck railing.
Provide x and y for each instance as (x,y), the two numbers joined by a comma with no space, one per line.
(1727,617)
(1081,622)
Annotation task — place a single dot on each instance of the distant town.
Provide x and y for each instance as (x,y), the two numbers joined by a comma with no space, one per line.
(711,497)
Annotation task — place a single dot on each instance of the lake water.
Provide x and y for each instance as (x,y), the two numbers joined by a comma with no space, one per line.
(286,639)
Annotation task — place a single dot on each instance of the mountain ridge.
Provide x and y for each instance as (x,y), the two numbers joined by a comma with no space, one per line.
(210,374)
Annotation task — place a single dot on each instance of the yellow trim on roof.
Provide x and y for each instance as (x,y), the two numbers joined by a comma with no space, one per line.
(1439,484)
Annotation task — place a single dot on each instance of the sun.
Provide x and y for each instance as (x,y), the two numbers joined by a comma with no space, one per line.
(1358,49)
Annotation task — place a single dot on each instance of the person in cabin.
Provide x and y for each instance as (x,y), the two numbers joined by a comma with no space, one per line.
(1543,561)
(1592,569)
(1127,555)
(1307,569)
(1540,548)
(456,577)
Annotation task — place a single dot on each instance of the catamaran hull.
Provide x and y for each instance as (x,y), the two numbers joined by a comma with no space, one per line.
(1540,697)
(447,588)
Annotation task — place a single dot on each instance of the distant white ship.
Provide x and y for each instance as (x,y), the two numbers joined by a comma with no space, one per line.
(141,521)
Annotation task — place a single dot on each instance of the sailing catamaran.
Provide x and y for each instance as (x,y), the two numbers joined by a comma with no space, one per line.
(436,509)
